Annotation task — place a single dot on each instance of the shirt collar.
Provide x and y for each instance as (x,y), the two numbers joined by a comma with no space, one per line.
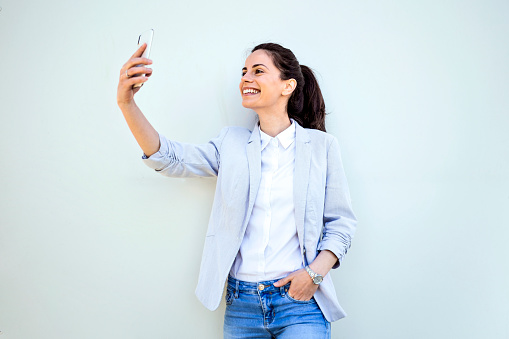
(286,137)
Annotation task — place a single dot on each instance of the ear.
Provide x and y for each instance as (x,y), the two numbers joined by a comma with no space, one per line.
(289,87)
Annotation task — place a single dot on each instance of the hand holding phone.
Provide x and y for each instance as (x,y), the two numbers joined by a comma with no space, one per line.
(130,80)
(145,37)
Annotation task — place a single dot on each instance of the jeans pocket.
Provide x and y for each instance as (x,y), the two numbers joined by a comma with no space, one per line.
(229,297)
(310,301)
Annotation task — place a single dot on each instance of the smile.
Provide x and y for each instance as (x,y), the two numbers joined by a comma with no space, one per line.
(250,90)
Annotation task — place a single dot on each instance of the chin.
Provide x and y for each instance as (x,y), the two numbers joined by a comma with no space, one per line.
(247,104)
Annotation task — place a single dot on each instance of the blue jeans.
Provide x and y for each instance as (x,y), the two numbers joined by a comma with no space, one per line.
(261,310)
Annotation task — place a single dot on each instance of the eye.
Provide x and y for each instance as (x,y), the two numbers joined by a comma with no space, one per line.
(244,73)
(258,70)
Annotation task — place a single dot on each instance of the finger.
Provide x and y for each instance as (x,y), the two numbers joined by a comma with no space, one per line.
(133,71)
(282,282)
(129,83)
(134,63)
(138,80)
(136,56)
(138,61)
(139,51)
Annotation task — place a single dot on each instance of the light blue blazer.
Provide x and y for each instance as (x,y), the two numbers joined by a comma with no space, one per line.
(323,212)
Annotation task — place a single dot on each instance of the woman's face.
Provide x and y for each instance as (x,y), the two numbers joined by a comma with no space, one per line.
(261,85)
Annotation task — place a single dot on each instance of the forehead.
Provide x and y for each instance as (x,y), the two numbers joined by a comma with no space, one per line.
(259,57)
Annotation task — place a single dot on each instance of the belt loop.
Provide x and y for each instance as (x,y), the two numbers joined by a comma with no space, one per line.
(282,291)
(236,288)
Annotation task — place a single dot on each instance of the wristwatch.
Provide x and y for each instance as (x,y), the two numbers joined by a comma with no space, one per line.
(317,278)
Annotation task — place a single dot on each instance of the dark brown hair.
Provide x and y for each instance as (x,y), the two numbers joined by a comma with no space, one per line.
(306,105)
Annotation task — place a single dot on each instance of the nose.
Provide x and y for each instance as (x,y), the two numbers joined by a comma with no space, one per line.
(246,78)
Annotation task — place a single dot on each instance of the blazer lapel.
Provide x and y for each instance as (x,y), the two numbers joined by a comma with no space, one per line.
(253,149)
(301,178)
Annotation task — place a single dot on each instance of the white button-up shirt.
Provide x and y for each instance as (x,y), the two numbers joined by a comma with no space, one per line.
(270,247)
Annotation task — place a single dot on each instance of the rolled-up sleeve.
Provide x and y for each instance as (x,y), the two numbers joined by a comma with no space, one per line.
(177,159)
(338,216)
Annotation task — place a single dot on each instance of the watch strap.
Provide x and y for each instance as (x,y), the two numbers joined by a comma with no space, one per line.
(314,276)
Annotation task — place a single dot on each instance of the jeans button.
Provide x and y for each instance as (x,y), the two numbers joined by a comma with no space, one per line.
(261,287)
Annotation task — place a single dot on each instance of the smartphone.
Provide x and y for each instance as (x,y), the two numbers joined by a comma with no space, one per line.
(145,37)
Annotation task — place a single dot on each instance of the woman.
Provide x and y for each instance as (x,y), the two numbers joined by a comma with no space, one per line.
(281,217)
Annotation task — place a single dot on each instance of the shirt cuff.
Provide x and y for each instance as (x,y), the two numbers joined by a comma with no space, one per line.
(338,251)
(158,159)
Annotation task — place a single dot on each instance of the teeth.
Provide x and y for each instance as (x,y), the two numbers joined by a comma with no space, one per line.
(250,90)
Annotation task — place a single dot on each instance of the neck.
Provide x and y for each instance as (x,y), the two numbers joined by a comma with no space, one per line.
(273,122)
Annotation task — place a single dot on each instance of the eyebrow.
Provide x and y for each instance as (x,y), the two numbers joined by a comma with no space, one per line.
(255,65)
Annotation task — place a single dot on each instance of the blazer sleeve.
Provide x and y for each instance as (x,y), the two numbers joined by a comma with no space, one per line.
(177,159)
(338,217)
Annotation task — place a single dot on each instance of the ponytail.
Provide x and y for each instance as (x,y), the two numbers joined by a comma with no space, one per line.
(314,106)
(306,105)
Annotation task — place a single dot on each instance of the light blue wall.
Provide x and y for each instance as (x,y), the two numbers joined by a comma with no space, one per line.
(93,244)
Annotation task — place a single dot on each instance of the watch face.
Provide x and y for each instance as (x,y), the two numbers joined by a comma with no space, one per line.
(318,279)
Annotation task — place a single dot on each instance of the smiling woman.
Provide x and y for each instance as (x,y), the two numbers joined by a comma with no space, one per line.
(281,217)
(305,104)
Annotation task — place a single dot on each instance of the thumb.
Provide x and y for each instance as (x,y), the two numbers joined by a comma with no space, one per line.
(284,281)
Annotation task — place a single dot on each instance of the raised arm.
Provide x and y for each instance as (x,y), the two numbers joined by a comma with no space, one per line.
(146,136)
